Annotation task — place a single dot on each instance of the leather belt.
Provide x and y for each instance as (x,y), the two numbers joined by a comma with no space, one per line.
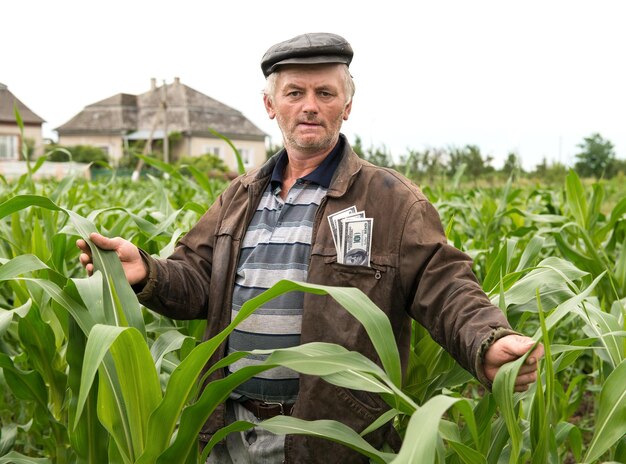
(263,410)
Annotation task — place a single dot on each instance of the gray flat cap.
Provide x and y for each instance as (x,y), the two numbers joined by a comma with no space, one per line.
(314,48)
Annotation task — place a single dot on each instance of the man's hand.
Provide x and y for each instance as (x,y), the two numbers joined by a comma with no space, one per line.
(133,265)
(508,349)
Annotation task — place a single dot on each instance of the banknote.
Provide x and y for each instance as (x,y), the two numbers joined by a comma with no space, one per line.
(332,221)
(340,226)
(357,242)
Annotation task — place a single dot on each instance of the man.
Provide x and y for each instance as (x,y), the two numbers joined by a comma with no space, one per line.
(282,221)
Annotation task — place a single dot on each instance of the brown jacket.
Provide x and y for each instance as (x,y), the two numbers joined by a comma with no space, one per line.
(414,273)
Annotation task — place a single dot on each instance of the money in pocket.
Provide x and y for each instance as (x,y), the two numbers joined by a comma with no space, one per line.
(357,242)
(333,221)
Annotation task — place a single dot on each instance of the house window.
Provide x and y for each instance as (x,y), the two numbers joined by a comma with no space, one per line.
(246,156)
(213,150)
(8,147)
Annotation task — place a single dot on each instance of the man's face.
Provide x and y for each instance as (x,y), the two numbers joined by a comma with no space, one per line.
(309,104)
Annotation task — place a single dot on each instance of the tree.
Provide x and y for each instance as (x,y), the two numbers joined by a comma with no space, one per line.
(472,158)
(512,163)
(597,157)
(272,149)
(551,174)
(379,156)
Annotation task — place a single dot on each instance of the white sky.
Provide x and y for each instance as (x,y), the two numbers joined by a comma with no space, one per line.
(533,77)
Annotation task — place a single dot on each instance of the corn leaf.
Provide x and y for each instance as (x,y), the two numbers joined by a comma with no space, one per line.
(16,458)
(610,423)
(420,441)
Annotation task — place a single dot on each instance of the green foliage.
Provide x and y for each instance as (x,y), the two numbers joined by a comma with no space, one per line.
(554,260)
(596,158)
(208,164)
(78,153)
(379,156)
(512,163)
(272,149)
(552,174)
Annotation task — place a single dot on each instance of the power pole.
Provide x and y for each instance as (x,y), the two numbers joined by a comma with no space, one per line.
(148,146)
(166,140)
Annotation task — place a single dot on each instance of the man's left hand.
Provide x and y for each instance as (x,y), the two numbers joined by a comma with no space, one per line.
(510,348)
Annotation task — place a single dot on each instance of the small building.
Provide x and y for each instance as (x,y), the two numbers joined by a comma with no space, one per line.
(115,123)
(11,139)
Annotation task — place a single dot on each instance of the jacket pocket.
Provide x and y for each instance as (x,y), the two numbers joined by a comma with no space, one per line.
(375,280)
(374,270)
(367,405)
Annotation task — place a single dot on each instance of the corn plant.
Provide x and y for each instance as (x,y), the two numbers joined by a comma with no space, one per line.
(71,346)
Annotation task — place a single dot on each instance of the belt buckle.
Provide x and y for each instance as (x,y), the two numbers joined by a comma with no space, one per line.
(276,403)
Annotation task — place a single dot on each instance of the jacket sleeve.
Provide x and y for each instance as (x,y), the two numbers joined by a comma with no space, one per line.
(443,292)
(178,287)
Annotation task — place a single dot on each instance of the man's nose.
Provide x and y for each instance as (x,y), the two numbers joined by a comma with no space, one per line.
(310,103)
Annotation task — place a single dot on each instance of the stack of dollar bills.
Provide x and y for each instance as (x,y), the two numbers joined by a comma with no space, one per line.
(352,234)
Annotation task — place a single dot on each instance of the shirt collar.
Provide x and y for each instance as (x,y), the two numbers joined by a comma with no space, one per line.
(322,175)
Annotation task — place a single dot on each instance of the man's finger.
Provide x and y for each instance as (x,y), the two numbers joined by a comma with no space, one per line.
(84,259)
(536,355)
(103,242)
(517,345)
(82,245)
(522,381)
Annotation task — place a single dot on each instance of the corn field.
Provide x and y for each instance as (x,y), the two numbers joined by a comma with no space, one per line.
(87,375)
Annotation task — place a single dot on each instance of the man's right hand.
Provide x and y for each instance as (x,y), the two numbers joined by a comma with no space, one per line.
(133,265)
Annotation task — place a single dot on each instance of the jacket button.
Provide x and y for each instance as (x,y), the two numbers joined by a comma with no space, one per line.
(378,275)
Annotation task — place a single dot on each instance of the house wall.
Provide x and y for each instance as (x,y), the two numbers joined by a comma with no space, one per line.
(252,151)
(48,170)
(32,132)
(112,144)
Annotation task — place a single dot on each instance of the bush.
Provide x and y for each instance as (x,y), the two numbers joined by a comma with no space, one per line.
(80,154)
(206,163)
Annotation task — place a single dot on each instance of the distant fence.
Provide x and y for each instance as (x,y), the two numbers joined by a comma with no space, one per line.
(49,170)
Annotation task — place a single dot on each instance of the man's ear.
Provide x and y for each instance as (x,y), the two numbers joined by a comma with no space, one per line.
(347,110)
(269,106)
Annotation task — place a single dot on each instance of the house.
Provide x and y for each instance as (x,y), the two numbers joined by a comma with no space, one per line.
(10,136)
(183,113)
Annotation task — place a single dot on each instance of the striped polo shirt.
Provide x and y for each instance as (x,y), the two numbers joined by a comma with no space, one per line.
(277,246)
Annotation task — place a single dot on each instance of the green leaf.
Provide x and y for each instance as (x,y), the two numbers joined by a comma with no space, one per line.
(167,342)
(119,298)
(420,441)
(240,167)
(140,394)
(329,430)
(16,458)
(18,117)
(26,385)
(8,434)
(89,440)
(576,199)
(162,166)
(19,265)
(503,392)
(467,454)
(202,180)
(6,316)
(610,423)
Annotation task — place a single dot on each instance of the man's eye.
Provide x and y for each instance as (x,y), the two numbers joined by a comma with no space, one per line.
(294,93)
(326,94)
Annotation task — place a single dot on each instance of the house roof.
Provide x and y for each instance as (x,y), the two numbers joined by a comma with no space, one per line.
(188,111)
(116,114)
(7,114)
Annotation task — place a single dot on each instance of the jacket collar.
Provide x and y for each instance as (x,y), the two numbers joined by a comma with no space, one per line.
(348,167)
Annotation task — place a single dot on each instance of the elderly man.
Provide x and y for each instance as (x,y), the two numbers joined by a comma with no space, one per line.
(316,212)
